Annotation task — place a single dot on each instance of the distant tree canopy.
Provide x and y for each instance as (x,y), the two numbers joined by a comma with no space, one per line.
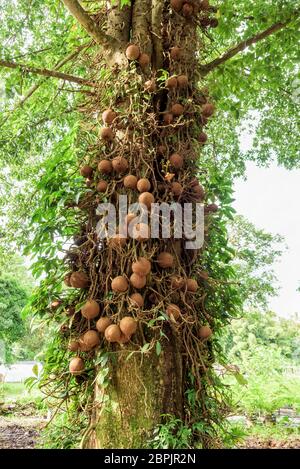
(12,300)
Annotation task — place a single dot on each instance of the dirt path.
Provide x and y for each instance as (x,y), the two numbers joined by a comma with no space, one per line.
(19,432)
(252,442)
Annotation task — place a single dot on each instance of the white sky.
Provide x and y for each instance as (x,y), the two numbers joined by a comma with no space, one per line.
(270,198)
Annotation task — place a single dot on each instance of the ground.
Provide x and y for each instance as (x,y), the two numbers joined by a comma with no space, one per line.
(19,432)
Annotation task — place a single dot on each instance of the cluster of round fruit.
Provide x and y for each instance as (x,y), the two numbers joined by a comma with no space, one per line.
(193,8)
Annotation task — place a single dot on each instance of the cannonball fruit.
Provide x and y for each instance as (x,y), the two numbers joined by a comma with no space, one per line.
(171,83)
(144,60)
(141,267)
(182,81)
(129,218)
(208,109)
(109,116)
(191,285)
(86,171)
(177,109)
(187,10)
(176,188)
(130,182)
(136,300)
(76,366)
(113,333)
(176,53)
(143,185)
(176,160)
(168,118)
(118,241)
(90,310)
(177,5)
(128,326)
(101,186)
(150,86)
(103,324)
(202,137)
(137,281)
(119,284)
(107,134)
(133,52)
(120,164)
(67,280)
(173,310)
(147,199)
(177,282)
(204,5)
(205,332)
(165,260)
(105,167)
(91,339)
(79,280)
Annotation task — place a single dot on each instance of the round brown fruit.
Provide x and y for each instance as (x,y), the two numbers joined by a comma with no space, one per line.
(177,109)
(173,310)
(109,116)
(141,267)
(105,167)
(214,23)
(79,280)
(142,232)
(76,366)
(113,333)
(150,86)
(204,5)
(90,310)
(176,188)
(187,10)
(128,326)
(119,284)
(101,186)
(143,185)
(137,281)
(86,171)
(202,137)
(171,83)
(168,118)
(191,285)
(182,81)
(211,208)
(176,160)
(102,324)
(107,134)
(144,60)
(198,191)
(161,149)
(177,5)
(177,282)
(91,339)
(136,300)
(147,199)
(205,332)
(176,53)
(73,346)
(133,52)
(165,260)
(130,181)
(120,164)
(208,109)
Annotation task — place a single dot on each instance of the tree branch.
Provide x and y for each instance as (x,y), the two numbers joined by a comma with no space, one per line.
(88,24)
(45,72)
(205,69)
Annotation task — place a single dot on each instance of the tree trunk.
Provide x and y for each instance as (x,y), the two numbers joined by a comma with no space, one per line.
(144,386)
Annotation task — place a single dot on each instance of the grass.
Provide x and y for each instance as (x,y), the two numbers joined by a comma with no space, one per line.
(11,392)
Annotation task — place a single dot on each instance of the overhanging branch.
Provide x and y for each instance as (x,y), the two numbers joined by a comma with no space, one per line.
(205,69)
(45,72)
(88,24)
